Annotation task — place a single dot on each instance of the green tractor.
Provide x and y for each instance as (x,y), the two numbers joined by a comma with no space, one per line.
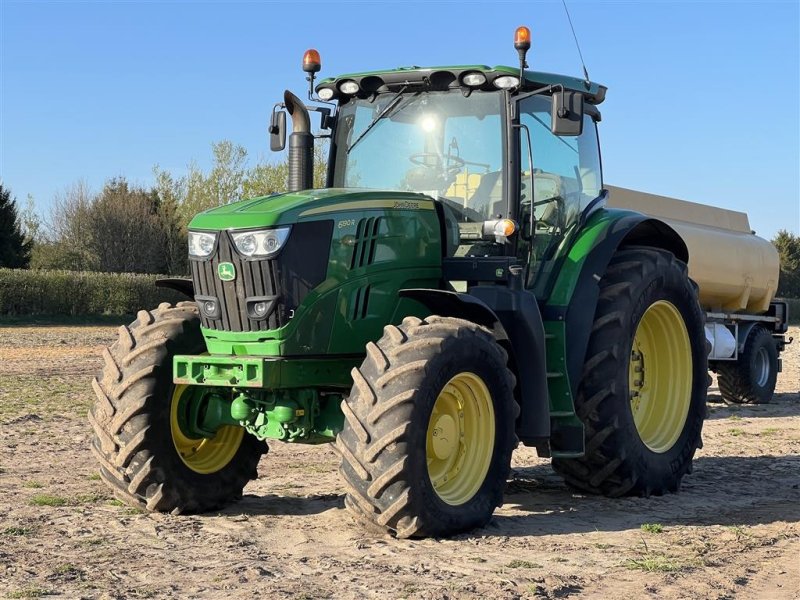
(458,287)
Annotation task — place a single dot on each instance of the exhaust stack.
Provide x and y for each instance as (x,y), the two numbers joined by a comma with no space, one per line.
(301,145)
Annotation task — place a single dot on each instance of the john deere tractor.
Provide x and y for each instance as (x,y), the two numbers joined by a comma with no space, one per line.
(458,288)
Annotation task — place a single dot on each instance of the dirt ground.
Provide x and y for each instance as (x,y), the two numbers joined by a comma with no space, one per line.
(733,531)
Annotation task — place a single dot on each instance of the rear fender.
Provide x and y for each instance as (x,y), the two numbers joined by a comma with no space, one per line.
(575,293)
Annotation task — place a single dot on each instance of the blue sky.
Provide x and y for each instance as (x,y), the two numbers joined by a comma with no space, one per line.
(702,102)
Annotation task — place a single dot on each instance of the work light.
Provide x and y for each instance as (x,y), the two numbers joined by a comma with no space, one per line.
(348,87)
(506,82)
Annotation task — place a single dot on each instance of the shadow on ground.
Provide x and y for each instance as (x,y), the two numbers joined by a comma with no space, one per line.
(273,504)
(715,494)
(784,404)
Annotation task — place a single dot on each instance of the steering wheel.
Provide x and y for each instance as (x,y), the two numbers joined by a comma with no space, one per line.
(453,162)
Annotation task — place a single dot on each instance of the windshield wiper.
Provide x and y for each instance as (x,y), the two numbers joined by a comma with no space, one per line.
(393,103)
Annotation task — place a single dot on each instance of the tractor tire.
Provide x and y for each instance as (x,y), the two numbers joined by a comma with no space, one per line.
(134,420)
(752,378)
(642,396)
(429,429)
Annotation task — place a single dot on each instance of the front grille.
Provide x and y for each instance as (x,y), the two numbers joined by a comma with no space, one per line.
(283,281)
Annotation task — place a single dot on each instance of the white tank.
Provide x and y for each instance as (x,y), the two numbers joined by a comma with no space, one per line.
(736,270)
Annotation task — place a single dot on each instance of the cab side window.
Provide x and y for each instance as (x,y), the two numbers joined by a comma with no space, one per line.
(565,178)
(566,170)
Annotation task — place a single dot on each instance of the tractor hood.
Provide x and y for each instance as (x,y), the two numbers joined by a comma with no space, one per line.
(289,208)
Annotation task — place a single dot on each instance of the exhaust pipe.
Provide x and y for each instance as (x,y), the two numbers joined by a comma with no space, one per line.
(301,145)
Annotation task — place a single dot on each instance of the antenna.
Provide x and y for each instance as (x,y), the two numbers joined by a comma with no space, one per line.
(583,64)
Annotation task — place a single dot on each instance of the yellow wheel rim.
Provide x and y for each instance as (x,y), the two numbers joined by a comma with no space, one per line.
(460,438)
(660,376)
(203,455)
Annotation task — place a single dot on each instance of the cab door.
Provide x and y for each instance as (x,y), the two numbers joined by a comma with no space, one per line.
(559,177)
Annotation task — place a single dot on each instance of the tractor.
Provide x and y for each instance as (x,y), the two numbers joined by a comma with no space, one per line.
(460,286)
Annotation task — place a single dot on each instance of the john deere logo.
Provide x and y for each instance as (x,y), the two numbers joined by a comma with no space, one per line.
(226,271)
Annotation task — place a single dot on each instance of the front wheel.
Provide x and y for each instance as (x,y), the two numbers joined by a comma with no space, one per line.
(643,389)
(429,429)
(145,452)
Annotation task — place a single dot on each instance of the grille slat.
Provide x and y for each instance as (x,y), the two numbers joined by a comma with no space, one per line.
(300,267)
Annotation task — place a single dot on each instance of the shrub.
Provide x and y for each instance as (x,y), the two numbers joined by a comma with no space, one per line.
(24,292)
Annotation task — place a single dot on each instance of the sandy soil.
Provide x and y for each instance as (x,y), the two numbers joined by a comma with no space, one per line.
(733,531)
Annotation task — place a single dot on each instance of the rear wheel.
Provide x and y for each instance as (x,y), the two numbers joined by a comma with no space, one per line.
(429,429)
(752,378)
(146,455)
(643,389)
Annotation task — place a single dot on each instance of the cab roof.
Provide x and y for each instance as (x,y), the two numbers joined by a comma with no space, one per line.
(444,78)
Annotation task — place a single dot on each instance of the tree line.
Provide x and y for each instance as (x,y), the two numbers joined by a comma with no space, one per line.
(129,228)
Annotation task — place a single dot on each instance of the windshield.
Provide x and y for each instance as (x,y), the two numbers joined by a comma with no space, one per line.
(442,144)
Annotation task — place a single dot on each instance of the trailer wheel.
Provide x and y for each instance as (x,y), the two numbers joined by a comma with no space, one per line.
(643,390)
(144,456)
(429,429)
(752,378)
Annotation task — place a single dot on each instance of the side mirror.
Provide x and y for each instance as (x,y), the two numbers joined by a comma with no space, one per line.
(277,131)
(567,115)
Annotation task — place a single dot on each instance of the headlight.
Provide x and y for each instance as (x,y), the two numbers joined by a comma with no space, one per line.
(261,244)
(201,244)
(506,82)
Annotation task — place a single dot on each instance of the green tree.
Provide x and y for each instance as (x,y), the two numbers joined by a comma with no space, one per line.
(788,246)
(69,232)
(172,193)
(15,250)
(126,232)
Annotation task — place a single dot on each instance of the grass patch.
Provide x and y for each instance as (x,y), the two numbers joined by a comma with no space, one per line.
(49,500)
(735,432)
(33,484)
(769,431)
(94,477)
(115,502)
(652,527)
(735,418)
(603,546)
(67,572)
(523,564)
(18,531)
(654,563)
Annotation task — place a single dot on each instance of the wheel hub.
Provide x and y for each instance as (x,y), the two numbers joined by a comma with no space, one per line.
(460,438)
(445,437)
(660,376)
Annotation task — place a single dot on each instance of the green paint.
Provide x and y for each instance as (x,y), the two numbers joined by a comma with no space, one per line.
(286,209)
(297,415)
(264,373)
(575,254)
(301,415)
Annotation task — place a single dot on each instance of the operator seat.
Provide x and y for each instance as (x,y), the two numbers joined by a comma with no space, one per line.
(488,197)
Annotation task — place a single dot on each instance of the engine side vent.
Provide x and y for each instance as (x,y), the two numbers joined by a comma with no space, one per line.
(366,238)
(360,303)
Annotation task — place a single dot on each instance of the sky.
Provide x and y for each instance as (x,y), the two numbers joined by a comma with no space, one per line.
(702,101)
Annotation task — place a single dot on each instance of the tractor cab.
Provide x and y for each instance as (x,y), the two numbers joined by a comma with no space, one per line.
(510,156)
